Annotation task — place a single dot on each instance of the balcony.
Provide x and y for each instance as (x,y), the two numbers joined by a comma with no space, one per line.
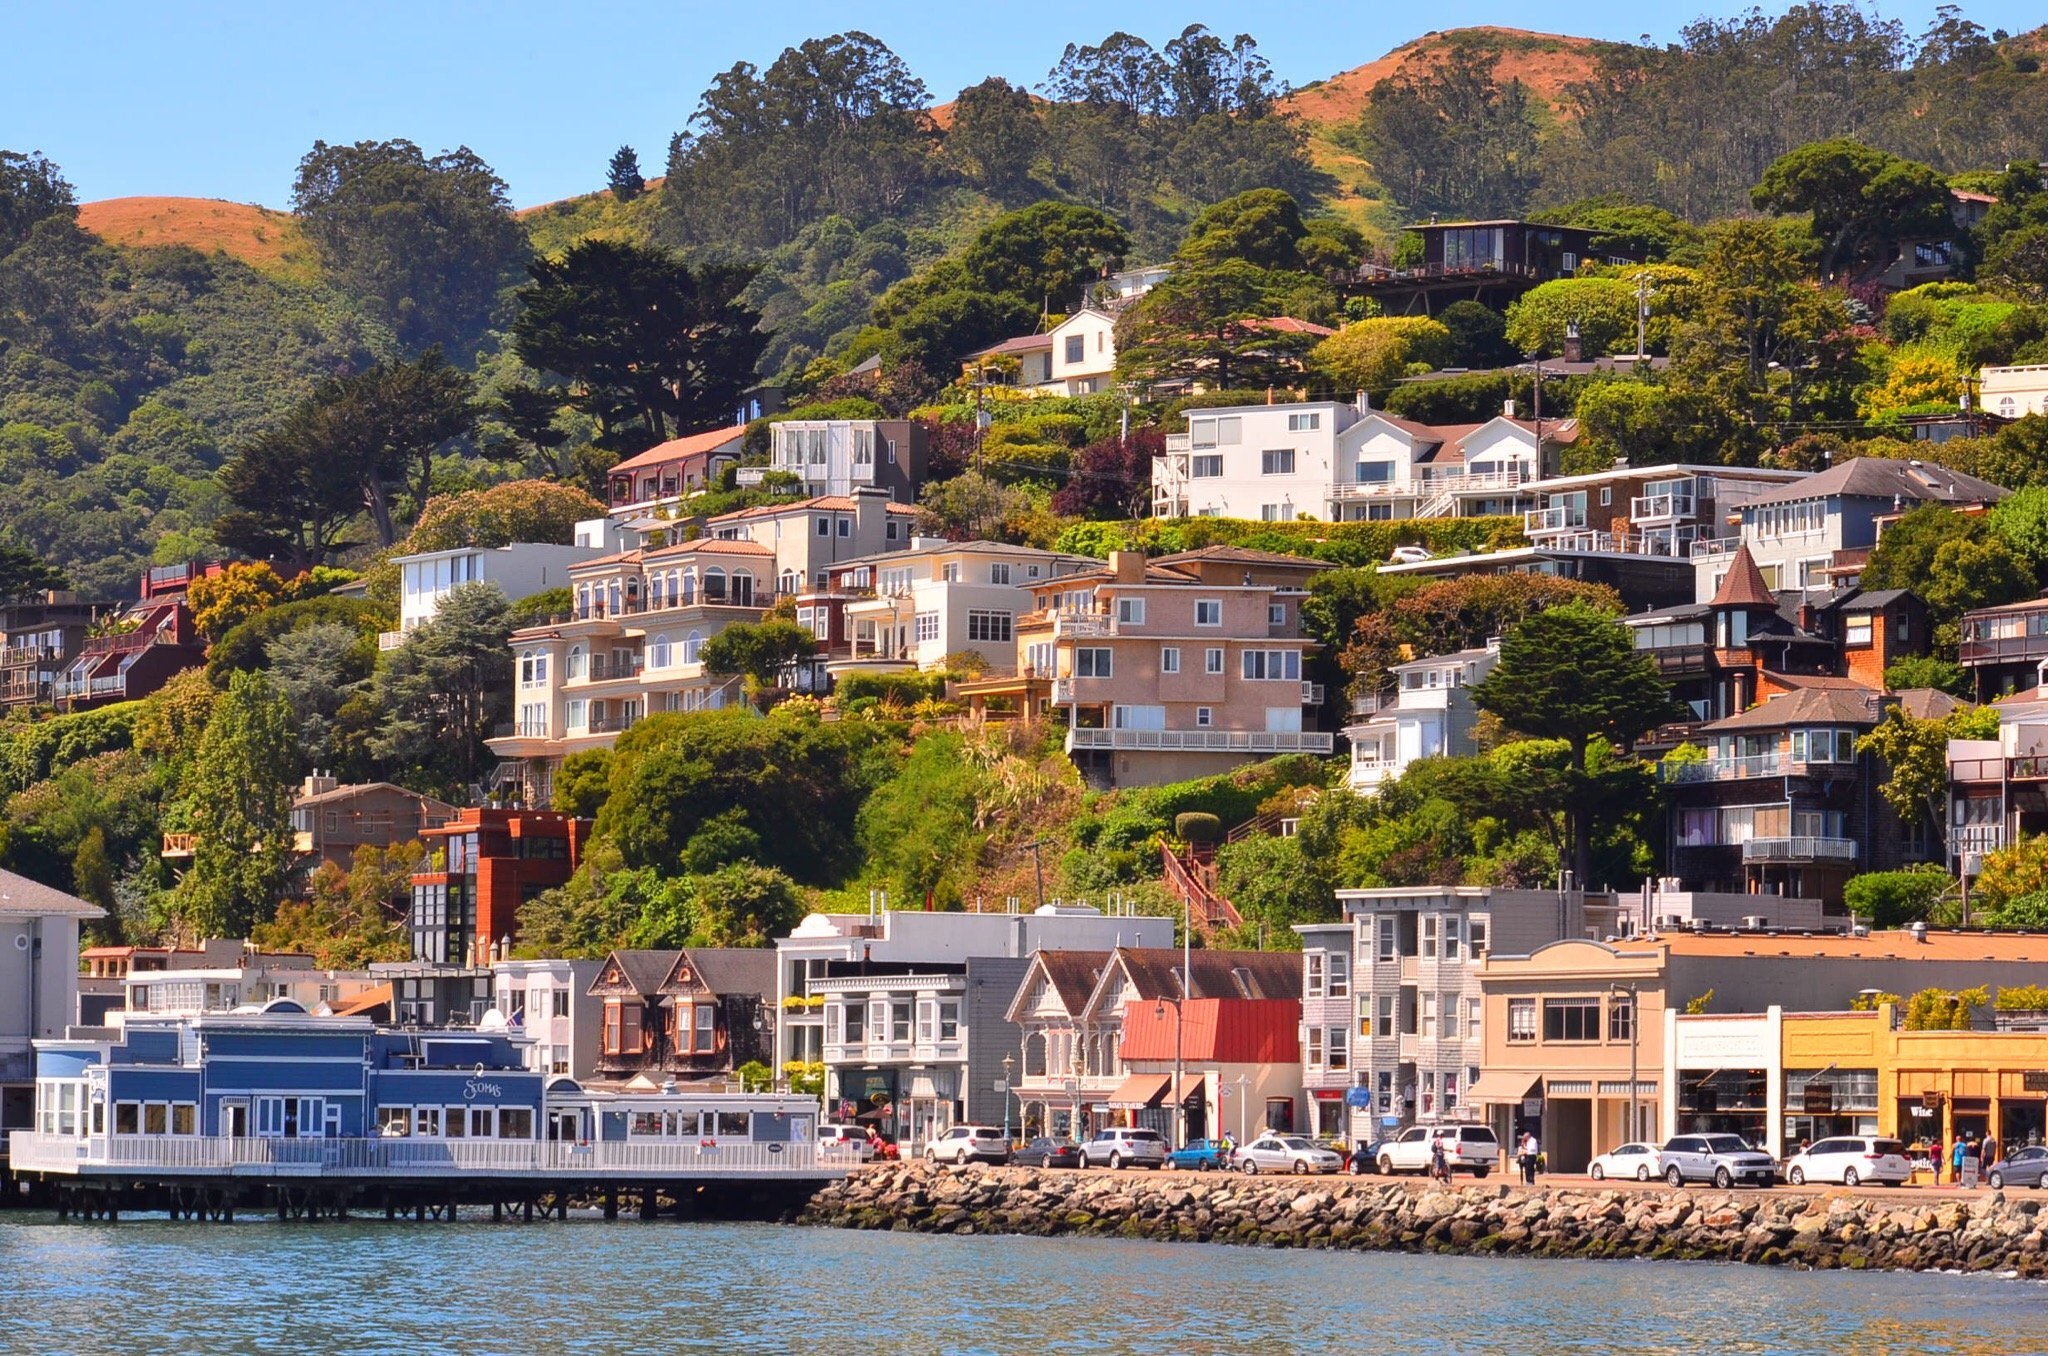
(1715,546)
(1965,839)
(1085,624)
(1661,508)
(1177,442)
(2030,767)
(1552,520)
(96,689)
(2000,649)
(179,844)
(1767,850)
(1750,765)
(1203,741)
(1374,489)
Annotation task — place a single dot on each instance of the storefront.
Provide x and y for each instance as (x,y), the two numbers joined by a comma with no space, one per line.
(1726,1075)
(1833,1101)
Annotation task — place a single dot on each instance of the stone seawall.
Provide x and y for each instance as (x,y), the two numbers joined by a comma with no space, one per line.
(1855,1230)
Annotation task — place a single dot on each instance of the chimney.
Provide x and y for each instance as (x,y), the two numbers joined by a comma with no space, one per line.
(317,782)
(1364,402)
(1128,566)
(1507,407)
(1269,395)
(1574,346)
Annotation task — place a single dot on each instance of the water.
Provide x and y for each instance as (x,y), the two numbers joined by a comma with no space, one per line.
(587,1286)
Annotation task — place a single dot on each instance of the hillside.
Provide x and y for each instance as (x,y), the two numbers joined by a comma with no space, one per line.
(1545,63)
(258,236)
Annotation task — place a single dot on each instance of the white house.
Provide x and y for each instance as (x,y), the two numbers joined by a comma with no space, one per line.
(1430,715)
(911,609)
(1338,461)
(549,1003)
(38,984)
(2010,392)
(520,570)
(1075,357)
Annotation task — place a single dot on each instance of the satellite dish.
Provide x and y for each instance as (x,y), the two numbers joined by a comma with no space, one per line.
(492,1020)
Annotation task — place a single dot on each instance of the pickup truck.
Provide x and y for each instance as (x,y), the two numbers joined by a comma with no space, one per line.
(1467,1148)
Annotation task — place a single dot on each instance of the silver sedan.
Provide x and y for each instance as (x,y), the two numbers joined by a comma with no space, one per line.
(2026,1167)
(1286,1153)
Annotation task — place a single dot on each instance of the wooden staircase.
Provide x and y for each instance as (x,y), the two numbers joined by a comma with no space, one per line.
(1191,876)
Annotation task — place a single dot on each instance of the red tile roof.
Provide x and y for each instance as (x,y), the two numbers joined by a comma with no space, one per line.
(676,449)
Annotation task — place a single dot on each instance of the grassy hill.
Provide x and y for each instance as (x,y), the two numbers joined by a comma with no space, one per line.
(265,240)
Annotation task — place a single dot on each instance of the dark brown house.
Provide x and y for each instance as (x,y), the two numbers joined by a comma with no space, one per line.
(690,1015)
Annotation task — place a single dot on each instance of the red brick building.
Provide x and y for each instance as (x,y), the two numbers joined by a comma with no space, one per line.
(487,863)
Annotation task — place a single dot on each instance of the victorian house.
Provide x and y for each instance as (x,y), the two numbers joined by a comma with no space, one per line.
(693,1015)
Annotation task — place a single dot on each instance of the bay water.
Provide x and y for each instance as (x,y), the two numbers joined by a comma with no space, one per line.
(585,1285)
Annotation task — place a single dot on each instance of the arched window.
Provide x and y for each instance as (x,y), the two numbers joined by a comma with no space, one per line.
(689,587)
(575,666)
(613,593)
(714,585)
(658,652)
(673,582)
(742,589)
(693,648)
(789,581)
(583,600)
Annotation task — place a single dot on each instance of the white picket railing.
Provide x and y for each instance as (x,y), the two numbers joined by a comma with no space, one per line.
(32,1151)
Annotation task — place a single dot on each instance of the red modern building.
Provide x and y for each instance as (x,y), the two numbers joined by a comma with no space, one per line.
(488,862)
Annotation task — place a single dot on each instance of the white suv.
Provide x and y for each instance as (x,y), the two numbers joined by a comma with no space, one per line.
(1467,1148)
(1724,1160)
(847,1138)
(1122,1144)
(1850,1160)
(968,1144)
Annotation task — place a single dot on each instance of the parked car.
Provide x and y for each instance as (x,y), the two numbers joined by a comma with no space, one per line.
(1365,1158)
(1120,1145)
(1286,1153)
(1408,555)
(1467,1148)
(969,1144)
(1335,1146)
(2023,1167)
(1048,1152)
(1640,1161)
(847,1136)
(1724,1160)
(1201,1155)
(1850,1160)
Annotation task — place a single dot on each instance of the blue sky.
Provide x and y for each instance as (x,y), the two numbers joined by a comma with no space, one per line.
(221,99)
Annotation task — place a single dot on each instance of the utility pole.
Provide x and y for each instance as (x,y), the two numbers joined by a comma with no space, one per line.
(1642,314)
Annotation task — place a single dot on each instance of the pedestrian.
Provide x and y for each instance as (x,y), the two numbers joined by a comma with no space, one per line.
(1956,1161)
(1439,1164)
(1989,1154)
(1934,1159)
(1527,1153)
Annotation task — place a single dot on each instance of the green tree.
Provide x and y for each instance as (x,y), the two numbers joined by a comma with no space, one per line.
(294,499)
(646,345)
(1274,885)
(1915,754)
(761,651)
(622,175)
(349,919)
(995,137)
(1925,670)
(439,693)
(23,575)
(238,804)
(1209,324)
(425,243)
(1604,309)
(1478,335)
(1262,227)
(1864,201)
(2019,263)
(32,189)
(1371,355)
(2022,520)
(1891,899)
(1045,254)
(1570,673)
(583,782)
(318,668)
(517,510)
(1448,137)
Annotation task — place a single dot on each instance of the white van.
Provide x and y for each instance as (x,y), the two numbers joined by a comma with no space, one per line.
(846,1136)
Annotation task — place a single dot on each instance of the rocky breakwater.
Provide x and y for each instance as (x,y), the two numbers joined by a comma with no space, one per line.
(1815,1229)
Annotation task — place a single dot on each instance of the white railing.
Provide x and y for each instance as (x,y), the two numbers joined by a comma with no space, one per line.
(1723,769)
(181,1154)
(1648,506)
(1082,624)
(1552,519)
(1799,850)
(1177,442)
(1715,546)
(1062,692)
(1373,489)
(1511,478)
(1204,741)
(1977,838)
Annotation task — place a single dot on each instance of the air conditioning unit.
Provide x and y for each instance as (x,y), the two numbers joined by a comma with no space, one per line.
(1753,922)
(1671,920)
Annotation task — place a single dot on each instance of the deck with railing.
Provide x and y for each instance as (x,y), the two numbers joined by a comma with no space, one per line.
(1799,850)
(386,1160)
(1204,741)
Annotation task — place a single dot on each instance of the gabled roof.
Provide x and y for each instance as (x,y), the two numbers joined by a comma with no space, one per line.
(1927,703)
(358,789)
(1070,974)
(1805,706)
(1023,343)
(675,449)
(1874,600)
(1154,972)
(644,972)
(1880,478)
(728,969)
(20,895)
(1744,584)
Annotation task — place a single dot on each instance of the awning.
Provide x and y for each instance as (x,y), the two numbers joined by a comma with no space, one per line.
(1140,1091)
(922,1087)
(1191,1086)
(1496,1086)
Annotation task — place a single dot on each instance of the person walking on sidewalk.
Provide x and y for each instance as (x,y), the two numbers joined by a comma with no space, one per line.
(1528,1152)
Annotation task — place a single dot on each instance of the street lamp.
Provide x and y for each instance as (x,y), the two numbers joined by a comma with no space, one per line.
(1009,1063)
(1180,1108)
(1635,1036)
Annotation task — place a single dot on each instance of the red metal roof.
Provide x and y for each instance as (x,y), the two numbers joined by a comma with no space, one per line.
(1217,1030)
